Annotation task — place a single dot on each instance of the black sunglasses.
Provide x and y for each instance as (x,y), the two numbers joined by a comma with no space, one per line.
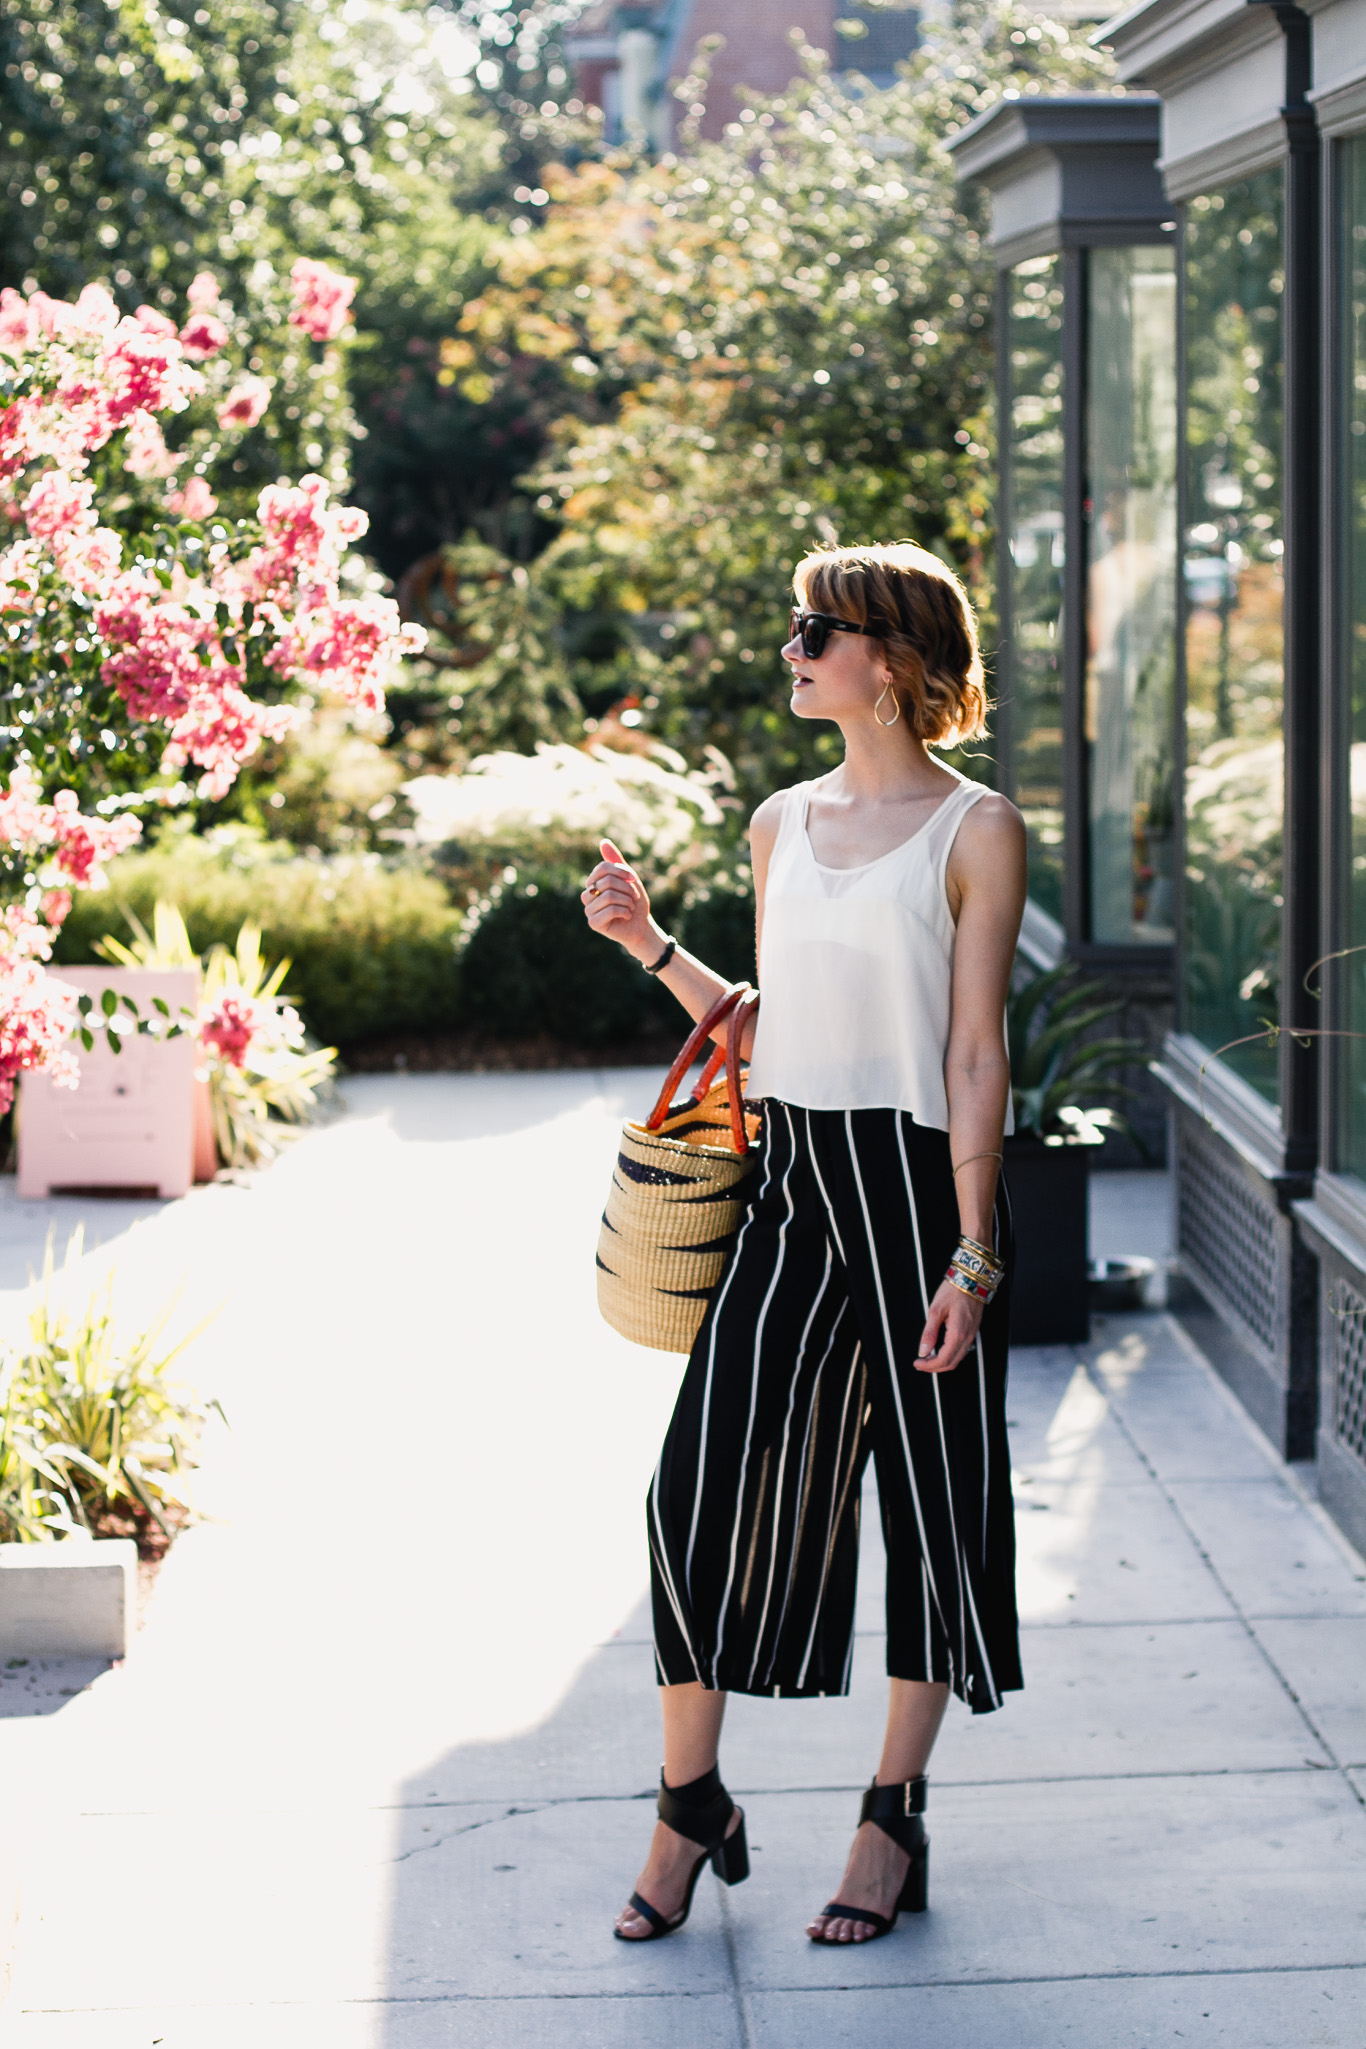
(815,628)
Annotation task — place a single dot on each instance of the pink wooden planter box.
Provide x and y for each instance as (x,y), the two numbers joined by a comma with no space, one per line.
(131,1123)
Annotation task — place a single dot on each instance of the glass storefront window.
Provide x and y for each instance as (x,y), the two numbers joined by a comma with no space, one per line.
(1131,590)
(1036,566)
(1234,677)
(1353,412)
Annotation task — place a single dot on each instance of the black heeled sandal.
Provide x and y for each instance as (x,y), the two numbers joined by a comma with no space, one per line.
(704,1823)
(897,1810)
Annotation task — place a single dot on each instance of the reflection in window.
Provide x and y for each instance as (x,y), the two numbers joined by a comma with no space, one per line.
(1131,589)
(1037,557)
(1234,754)
(1353,1136)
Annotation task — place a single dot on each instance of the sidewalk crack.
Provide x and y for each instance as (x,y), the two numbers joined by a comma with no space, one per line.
(742,2013)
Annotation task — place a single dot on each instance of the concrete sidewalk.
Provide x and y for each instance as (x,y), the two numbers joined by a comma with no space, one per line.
(379,1770)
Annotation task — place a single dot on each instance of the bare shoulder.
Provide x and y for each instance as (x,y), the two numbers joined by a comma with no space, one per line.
(992,831)
(989,859)
(763,825)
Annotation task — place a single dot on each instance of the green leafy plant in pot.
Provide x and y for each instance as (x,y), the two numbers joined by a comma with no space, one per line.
(1060,1072)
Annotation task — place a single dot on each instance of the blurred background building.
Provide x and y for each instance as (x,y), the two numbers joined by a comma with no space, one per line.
(626,57)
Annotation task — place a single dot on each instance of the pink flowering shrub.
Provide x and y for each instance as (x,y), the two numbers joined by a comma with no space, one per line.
(322,299)
(37,1012)
(246,403)
(139,637)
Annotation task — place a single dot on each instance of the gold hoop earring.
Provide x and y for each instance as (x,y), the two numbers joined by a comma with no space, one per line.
(887,724)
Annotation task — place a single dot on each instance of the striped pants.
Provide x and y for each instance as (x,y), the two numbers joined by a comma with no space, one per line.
(804,1365)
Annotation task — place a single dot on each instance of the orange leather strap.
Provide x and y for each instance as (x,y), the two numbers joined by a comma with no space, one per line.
(735,1031)
(724,1007)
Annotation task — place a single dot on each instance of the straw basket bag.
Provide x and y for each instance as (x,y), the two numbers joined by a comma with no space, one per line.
(677,1190)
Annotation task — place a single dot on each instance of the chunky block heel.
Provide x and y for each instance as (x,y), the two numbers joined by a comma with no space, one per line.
(703,1819)
(731,1861)
(898,1811)
(915,1893)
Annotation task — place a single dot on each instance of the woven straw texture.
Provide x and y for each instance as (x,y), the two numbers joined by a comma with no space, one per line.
(672,1214)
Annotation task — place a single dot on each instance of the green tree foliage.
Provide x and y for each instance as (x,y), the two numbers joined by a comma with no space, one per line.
(775,340)
(142,141)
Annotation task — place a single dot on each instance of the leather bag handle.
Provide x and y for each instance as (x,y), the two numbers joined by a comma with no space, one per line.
(735,1031)
(709,1074)
(692,1046)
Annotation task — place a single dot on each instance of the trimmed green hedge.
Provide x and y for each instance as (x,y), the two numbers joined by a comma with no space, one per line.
(532,965)
(374,949)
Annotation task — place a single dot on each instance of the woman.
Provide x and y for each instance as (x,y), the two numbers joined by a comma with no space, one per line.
(862,1310)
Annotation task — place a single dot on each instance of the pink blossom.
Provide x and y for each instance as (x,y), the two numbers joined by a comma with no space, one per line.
(57,907)
(18,323)
(203,293)
(155,666)
(321,299)
(349,647)
(81,845)
(21,565)
(22,812)
(168,664)
(55,318)
(245,403)
(202,336)
(230,1025)
(89,562)
(37,1017)
(59,503)
(194,500)
(304,540)
(60,831)
(16,423)
(153,322)
(76,422)
(220,728)
(145,453)
(95,312)
(144,369)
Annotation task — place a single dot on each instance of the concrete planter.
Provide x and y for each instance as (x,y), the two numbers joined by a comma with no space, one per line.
(68,1600)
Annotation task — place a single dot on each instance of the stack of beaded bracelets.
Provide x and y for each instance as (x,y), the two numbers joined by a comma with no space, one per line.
(975,1270)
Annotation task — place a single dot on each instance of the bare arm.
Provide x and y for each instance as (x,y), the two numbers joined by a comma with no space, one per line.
(617,904)
(986,884)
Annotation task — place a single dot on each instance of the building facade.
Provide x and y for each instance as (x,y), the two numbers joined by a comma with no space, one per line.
(1085,249)
(625,58)
(1184,579)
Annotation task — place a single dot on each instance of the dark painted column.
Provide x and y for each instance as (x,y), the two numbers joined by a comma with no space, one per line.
(1003,681)
(1075,779)
(1301,927)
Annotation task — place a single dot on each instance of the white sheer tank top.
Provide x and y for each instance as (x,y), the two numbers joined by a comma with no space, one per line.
(856,968)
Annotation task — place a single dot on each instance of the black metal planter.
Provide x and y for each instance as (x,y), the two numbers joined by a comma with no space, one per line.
(1049,1289)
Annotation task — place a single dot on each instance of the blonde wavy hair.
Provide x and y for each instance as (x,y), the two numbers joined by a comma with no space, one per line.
(920,612)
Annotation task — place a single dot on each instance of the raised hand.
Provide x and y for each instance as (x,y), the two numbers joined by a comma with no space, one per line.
(616,903)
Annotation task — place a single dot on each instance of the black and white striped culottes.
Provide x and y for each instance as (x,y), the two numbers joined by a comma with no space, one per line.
(804,1365)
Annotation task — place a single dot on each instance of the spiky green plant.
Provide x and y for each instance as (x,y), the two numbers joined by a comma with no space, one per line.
(1058,1074)
(107,1423)
(33,1502)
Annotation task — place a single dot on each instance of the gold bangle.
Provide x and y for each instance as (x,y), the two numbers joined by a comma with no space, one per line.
(978,1156)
